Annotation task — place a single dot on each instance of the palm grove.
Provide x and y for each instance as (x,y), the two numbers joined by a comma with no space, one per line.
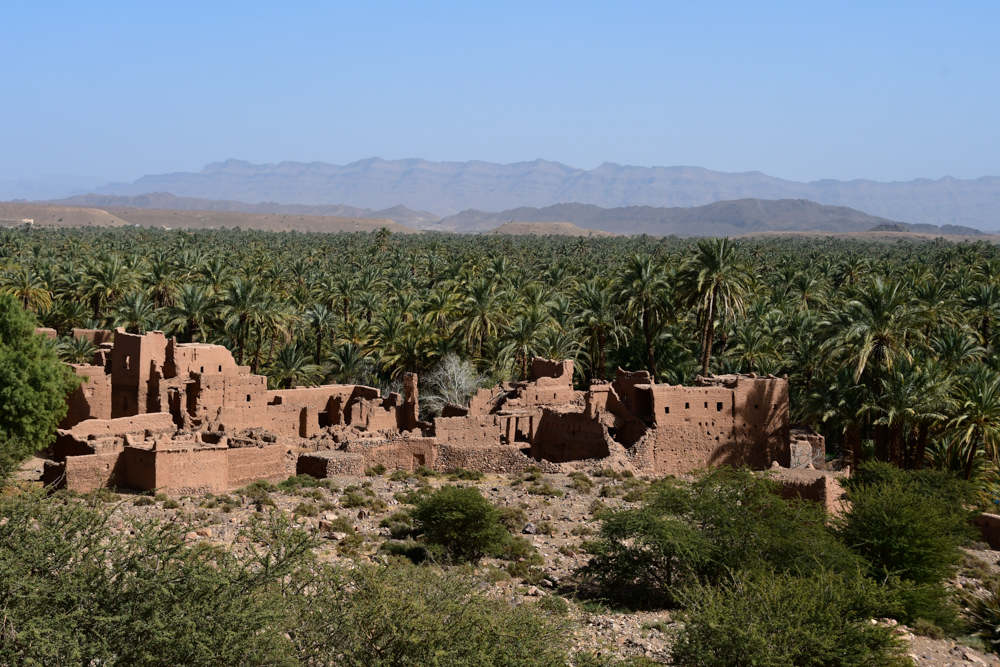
(890,350)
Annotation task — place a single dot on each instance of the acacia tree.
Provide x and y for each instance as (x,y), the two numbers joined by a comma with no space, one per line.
(34,384)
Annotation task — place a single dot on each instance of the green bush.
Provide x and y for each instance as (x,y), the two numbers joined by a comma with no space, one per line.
(371,616)
(400,476)
(465,475)
(902,531)
(375,470)
(459,520)
(513,518)
(782,619)
(306,509)
(170,504)
(581,482)
(79,593)
(726,521)
(143,501)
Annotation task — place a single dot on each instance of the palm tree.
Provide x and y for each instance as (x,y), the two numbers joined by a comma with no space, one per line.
(76,350)
(321,319)
(523,336)
(481,314)
(240,306)
(977,422)
(643,289)
(714,281)
(191,310)
(135,312)
(107,280)
(291,366)
(28,288)
(879,327)
(599,318)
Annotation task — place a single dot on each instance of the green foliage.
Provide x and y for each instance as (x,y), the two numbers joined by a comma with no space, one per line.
(581,482)
(783,619)
(34,384)
(460,521)
(461,474)
(903,531)
(385,616)
(726,521)
(375,471)
(306,509)
(73,590)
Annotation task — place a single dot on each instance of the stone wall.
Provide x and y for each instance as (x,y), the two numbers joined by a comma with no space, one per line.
(322,465)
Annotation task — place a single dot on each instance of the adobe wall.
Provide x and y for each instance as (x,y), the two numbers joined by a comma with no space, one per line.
(133,360)
(94,471)
(323,465)
(396,453)
(470,431)
(193,469)
(762,422)
(816,485)
(497,459)
(989,528)
(248,464)
(91,400)
(97,337)
(49,333)
(156,423)
(568,436)
(551,369)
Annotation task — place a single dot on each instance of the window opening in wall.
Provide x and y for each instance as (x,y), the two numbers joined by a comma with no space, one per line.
(202,369)
(687,406)
(718,406)
(706,404)
(248,398)
(756,407)
(128,361)
(666,410)
(220,369)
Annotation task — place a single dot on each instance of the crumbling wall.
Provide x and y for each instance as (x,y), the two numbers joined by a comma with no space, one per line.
(470,431)
(94,471)
(820,486)
(91,400)
(566,436)
(49,333)
(497,459)
(97,337)
(248,464)
(323,465)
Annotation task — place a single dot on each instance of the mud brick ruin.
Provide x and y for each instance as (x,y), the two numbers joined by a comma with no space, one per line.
(184,417)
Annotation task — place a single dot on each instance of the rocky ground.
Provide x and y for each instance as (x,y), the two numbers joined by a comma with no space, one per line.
(555,513)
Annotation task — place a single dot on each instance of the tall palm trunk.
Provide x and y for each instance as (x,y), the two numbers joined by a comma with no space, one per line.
(708,335)
(921,450)
(651,358)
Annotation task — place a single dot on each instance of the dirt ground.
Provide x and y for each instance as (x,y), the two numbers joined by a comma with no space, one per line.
(555,524)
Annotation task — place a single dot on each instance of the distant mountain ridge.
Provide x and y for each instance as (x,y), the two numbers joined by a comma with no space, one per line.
(727,218)
(446,188)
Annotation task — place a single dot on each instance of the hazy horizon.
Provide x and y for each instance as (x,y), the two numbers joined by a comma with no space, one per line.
(114,91)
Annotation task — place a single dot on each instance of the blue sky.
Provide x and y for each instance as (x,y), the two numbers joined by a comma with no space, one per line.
(803,90)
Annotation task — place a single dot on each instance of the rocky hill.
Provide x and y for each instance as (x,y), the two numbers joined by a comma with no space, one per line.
(446,188)
(728,218)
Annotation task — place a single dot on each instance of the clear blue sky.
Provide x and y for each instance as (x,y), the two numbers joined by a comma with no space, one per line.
(800,90)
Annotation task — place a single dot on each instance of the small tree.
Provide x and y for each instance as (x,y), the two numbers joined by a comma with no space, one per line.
(454,380)
(461,523)
(33,385)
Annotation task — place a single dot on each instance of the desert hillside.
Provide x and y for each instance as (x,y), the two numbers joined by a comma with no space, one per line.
(165,200)
(58,216)
(68,216)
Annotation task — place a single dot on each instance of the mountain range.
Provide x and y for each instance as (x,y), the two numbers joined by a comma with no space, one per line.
(447,188)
